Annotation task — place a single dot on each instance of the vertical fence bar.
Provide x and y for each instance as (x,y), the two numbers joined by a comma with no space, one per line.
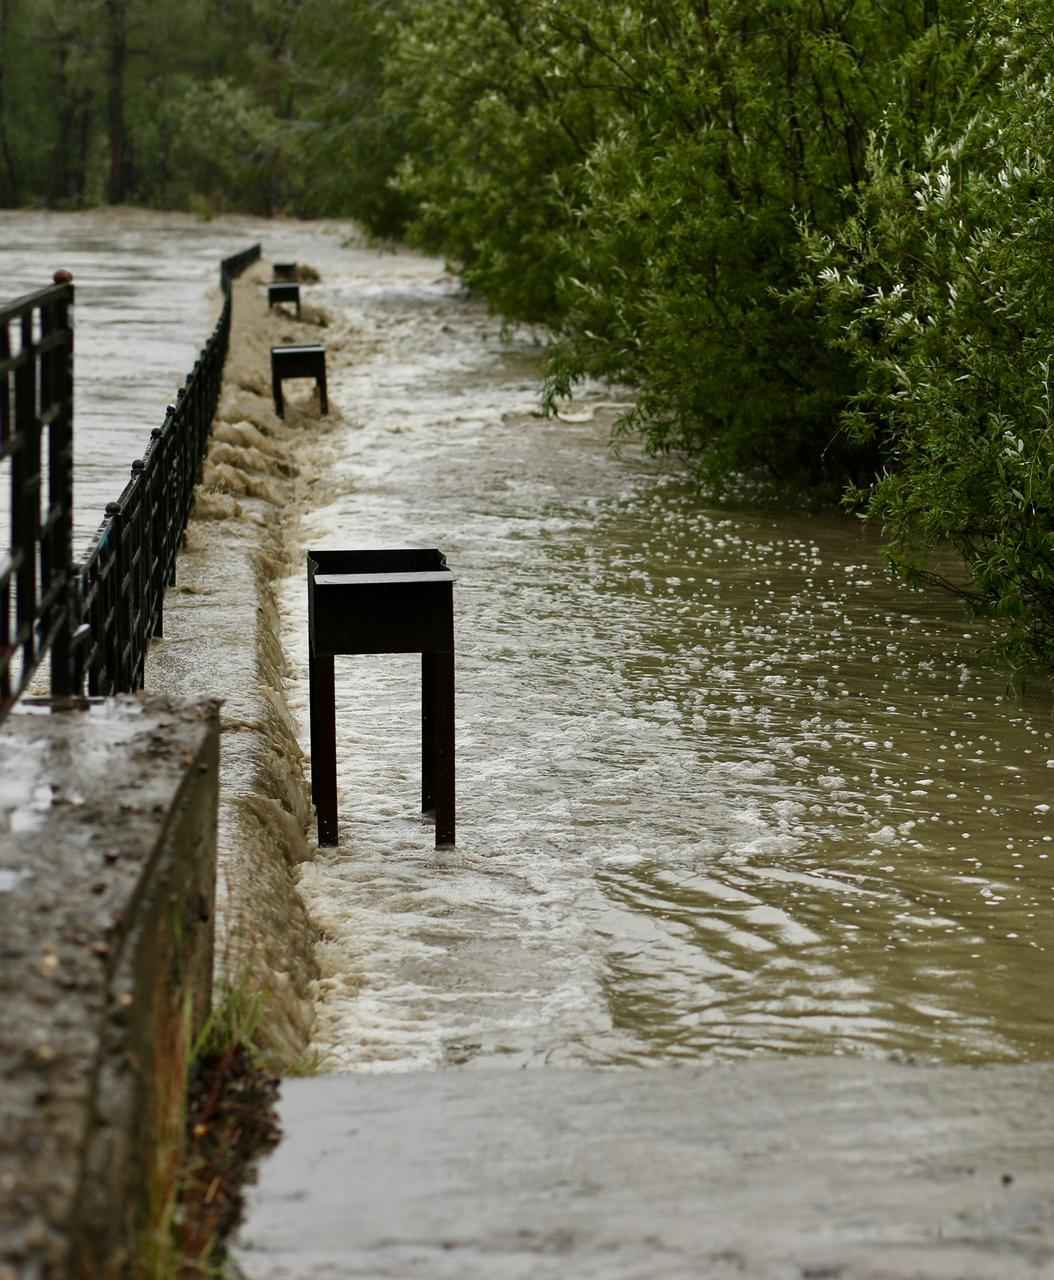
(36,342)
(36,397)
(25,498)
(7,688)
(57,393)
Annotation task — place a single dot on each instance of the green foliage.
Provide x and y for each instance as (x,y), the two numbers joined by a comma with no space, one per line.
(500,114)
(233,1022)
(223,144)
(159,103)
(938,291)
(635,175)
(349,141)
(749,120)
(48,87)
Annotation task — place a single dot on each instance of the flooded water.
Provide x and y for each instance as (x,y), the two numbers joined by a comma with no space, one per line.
(723,788)
(147,288)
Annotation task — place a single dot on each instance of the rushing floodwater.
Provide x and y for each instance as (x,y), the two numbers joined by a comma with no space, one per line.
(723,788)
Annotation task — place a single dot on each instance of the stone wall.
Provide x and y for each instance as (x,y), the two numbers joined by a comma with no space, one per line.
(107,869)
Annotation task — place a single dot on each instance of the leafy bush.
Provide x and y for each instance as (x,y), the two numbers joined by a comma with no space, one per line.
(350,142)
(226,147)
(501,118)
(938,290)
(750,119)
(634,175)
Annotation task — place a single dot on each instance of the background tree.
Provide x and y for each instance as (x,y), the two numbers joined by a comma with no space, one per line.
(349,139)
(10,185)
(501,112)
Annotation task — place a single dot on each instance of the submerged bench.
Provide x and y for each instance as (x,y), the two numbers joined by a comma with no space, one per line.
(307,361)
(277,293)
(391,601)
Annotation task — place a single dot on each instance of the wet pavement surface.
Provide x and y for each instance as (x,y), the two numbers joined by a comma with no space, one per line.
(807,1170)
(725,793)
(723,788)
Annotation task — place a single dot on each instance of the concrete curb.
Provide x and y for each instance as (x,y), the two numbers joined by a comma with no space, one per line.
(807,1169)
(108,856)
(222,633)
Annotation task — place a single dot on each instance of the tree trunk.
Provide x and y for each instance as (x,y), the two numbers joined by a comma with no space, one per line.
(117,65)
(9,190)
(59,179)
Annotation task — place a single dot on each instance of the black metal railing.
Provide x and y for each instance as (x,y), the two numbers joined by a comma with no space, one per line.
(37,608)
(124,575)
(97,617)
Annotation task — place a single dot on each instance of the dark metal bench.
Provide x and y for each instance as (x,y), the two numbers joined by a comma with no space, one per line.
(278,293)
(285,271)
(399,601)
(308,361)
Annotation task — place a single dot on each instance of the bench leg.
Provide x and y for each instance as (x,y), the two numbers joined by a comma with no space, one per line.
(323,747)
(276,391)
(427,720)
(323,398)
(437,723)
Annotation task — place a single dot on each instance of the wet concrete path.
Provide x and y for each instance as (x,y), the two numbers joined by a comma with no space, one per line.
(725,790)
(807,1170)
(708,766)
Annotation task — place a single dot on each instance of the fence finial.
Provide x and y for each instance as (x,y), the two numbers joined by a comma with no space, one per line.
(63,277)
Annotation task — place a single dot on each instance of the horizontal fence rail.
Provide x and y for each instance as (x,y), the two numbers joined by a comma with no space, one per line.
(99,616)
(37,609)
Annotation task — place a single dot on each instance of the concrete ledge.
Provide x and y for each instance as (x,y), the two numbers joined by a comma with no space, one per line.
(107,857)
(807,1169)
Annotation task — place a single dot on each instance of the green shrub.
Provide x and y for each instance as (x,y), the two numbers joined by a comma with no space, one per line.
(350,142)
(749,117)
(634,175)
(228,150)
(939,292)
(501,114)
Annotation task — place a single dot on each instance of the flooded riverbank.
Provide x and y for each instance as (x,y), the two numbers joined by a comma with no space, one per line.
(723,788)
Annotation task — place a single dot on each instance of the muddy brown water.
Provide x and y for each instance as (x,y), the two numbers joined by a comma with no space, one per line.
(724,789)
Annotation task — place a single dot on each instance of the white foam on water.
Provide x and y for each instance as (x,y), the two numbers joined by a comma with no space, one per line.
(688,746)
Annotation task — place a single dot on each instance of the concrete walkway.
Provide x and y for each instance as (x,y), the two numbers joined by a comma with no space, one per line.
(813,1169)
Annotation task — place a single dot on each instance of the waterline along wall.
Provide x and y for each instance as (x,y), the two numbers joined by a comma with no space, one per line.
(222,632)
(108,825)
